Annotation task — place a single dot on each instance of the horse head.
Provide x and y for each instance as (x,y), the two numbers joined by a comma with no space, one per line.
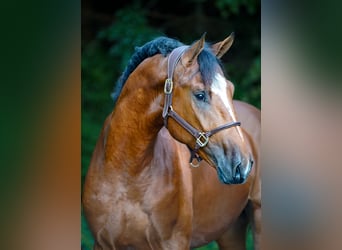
(202,107)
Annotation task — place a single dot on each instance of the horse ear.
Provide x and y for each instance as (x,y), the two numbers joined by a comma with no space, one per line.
(192,53)
(222,47)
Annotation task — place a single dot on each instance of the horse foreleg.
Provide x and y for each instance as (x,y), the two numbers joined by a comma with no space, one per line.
(235,237)
(254,214)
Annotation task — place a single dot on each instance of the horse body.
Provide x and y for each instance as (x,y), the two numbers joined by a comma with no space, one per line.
(140,191)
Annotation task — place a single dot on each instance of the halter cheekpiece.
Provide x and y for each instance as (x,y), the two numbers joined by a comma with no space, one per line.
(202,138)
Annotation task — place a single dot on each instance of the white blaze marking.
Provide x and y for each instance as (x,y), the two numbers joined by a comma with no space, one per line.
(219,87)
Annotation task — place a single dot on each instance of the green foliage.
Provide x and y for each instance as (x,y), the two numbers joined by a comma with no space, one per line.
(210,246)
(229,7)
(129,30)
(248,89)
(249,240)
(87,240)
(97,81)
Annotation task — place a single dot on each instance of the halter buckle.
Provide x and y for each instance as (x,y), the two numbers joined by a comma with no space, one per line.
(168,86)
(202,139)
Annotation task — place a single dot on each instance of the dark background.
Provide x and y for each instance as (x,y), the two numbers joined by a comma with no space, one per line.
(111,30)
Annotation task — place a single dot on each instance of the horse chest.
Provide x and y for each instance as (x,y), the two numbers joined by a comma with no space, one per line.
(134,214)
(132,220)
(127,221)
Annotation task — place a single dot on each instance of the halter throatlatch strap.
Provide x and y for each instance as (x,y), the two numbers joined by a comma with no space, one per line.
(202,138)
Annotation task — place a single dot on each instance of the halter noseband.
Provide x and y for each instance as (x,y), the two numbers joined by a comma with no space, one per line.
(202,138)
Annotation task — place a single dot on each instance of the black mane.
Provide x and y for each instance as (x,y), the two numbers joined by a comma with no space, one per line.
(164,45)
(160,45)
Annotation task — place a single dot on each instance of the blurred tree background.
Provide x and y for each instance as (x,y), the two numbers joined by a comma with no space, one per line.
(111,30)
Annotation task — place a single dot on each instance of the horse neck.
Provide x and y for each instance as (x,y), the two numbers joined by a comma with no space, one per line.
(137,118)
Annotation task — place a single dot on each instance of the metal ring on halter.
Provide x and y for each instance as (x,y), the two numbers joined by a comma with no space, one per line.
(195,165)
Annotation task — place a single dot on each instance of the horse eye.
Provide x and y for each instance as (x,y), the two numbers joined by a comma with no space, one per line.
(200,96)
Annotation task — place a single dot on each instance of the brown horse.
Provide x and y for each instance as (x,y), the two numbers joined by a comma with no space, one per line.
(174,105)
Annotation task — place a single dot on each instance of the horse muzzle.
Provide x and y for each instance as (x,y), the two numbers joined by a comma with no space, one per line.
(232,168)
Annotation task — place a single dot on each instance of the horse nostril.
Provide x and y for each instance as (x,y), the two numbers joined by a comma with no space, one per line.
(237,172)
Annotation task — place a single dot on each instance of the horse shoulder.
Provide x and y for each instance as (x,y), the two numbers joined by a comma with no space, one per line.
(168,196)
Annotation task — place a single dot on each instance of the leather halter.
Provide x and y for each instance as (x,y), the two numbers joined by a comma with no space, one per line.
(202,138)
